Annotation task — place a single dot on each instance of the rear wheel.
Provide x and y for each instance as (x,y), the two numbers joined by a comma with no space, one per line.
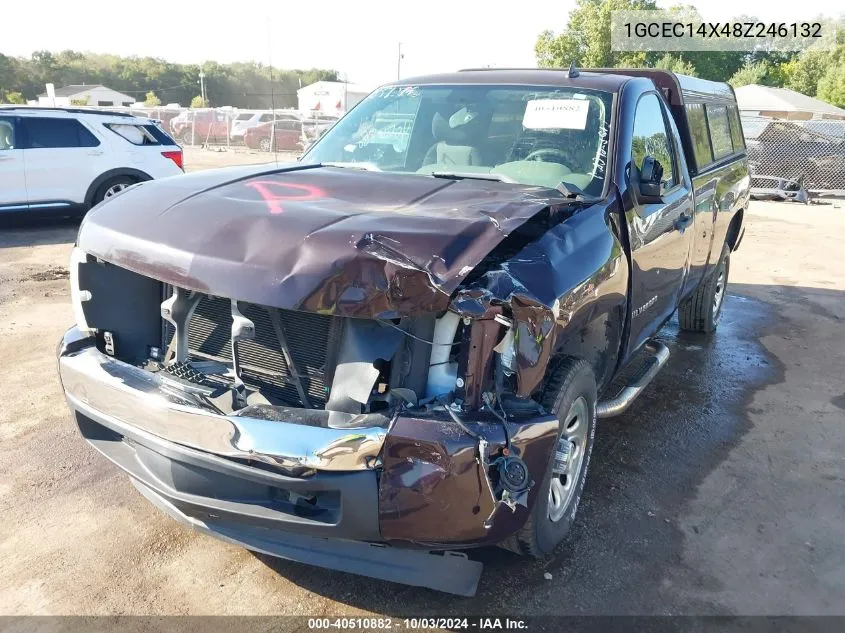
(112,187)
(702,311)
(571,395)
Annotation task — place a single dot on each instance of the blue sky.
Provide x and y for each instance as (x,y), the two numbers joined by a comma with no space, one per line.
(358,38)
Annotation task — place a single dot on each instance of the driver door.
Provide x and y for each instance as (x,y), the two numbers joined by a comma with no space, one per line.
(660,231)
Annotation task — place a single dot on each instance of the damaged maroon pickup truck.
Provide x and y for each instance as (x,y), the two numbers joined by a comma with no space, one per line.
(396,349)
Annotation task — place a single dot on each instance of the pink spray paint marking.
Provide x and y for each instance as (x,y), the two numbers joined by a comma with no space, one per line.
(274,193)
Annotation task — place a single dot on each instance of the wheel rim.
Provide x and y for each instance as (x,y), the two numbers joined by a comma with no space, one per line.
(115,189)
(264,144)
(719,294)
(569,459)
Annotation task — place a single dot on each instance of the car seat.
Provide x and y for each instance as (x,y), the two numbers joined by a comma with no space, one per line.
(451,146)
(6,140)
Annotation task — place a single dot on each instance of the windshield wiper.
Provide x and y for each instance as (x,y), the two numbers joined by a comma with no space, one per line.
(461,175)
(362,166)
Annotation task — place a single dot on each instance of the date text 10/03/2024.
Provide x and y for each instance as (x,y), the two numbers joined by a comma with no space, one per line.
(418,623)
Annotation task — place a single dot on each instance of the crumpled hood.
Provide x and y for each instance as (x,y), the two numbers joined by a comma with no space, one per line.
(321,239)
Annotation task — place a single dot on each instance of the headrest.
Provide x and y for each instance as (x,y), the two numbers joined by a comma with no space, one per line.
(457,130)
(443,132)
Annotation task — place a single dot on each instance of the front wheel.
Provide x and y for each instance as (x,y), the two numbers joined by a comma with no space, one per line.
(264,144)
(571,395)
(702,311)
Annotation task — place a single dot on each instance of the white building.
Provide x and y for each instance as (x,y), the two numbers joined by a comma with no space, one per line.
(780,103)
(331,97)
(92,95)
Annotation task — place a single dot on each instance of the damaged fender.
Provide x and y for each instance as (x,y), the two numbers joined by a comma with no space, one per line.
(569,285)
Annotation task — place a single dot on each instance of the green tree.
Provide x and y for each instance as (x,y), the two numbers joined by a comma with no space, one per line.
(586,38)
(751,73)
(831,86)
(243,85)
(152,100)
(13,97)
(805,72)
(199,102)
(676,65)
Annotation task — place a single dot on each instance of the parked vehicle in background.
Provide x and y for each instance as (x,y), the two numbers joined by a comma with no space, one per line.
(246,120)
(196,127)
(398,347)
(811,152)
(243,121)
(162,114)
(316,123)
(287,132)
(64,160)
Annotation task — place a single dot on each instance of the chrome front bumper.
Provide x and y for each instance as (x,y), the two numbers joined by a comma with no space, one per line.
(203,469)
(138,400)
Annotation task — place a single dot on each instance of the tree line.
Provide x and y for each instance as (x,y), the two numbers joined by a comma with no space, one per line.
(242,84)
(586,41)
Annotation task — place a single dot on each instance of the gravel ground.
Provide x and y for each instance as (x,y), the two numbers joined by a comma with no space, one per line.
(719,492)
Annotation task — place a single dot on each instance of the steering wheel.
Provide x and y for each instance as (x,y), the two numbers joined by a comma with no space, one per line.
(538,154)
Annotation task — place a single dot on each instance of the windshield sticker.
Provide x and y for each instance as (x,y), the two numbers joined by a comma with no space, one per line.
(390,92)
(558,114)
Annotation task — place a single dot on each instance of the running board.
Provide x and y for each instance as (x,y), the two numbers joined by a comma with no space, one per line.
(659,354)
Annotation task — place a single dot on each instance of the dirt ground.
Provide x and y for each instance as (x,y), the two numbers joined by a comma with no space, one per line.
(199,159)
(720,492)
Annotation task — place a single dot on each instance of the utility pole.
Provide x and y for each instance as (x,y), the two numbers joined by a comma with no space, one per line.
(399,62)
(202,85)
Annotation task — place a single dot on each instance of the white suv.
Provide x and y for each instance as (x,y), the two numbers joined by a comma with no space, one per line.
(67,160)
(248,120)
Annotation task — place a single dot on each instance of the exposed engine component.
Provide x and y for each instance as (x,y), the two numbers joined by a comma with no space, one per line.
(364,344)
(242,330)
(514,481)
(442,373)
(177,310)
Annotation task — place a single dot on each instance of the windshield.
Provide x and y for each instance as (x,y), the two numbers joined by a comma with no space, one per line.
(531,135)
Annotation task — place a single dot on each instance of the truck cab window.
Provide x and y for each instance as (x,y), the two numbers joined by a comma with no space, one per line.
(697,121)
(651,138)
(736,129)
(720,131)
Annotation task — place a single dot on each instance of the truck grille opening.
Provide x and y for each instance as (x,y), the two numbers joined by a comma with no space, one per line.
(310,339)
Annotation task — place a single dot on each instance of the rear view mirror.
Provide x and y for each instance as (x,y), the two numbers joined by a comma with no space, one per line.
(651,181)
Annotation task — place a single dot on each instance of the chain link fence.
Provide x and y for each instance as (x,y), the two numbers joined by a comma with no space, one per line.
(262,130)
(281,130)
(788,157)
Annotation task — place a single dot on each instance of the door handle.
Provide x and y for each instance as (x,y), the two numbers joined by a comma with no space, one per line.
(5,156)
(683,222)
(95,152)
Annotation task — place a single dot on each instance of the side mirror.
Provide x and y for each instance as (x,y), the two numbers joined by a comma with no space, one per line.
(651,181)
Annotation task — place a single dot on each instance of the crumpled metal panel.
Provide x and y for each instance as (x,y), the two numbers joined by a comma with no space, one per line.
(432,492)
(573,277)
(321,239)
(362,244)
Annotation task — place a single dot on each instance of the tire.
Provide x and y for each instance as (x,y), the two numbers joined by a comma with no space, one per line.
(264,144)
(111,187)
(702,311)
(572,387)
(185,137)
